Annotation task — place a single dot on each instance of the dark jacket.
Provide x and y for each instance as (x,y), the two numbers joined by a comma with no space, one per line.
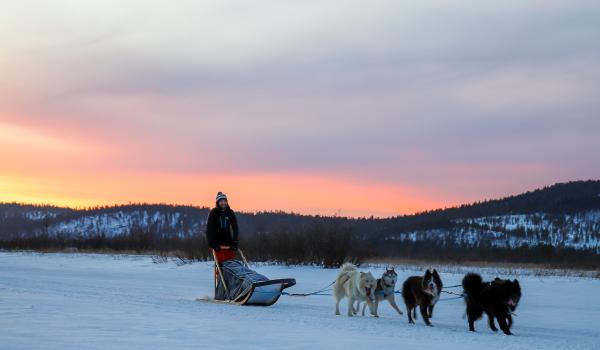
(222,228)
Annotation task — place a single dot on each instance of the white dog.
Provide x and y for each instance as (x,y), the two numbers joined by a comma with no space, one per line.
(354,285)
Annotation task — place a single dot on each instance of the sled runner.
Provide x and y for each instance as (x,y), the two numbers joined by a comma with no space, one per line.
(236,283)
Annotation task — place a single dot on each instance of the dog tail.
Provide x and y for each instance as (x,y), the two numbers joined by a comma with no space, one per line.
(347,267)
(346,270)
(472,284)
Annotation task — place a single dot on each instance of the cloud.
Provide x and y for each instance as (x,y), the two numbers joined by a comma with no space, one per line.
(454,99)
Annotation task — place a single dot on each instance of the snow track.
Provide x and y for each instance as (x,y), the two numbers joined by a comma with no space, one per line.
(74,301)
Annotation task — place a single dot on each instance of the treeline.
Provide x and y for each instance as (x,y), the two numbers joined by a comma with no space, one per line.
(321,244)
(193,247)
(544,255)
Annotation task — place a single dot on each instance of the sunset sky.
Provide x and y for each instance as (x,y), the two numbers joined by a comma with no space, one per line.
(331,107)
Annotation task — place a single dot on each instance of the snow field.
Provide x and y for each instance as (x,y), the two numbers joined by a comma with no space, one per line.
(89,301)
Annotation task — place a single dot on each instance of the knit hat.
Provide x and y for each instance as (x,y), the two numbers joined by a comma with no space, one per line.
(220,196)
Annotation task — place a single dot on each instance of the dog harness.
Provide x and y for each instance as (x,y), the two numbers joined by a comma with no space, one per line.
(382,291)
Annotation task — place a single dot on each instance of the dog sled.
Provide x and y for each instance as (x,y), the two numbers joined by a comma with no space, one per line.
(236,283)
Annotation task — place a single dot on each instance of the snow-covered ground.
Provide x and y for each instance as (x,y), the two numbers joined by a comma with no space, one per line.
(74,301)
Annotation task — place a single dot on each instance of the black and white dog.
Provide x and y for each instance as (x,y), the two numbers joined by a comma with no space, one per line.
(385,289)
(423,292)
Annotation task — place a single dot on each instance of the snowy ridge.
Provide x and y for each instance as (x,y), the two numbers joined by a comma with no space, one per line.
(580,231)
(25,220)
(28,212)
(119,223)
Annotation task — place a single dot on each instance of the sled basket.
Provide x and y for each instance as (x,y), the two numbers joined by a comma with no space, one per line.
(236,283)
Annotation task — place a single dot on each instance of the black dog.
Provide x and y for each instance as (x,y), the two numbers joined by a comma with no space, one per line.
(424,292)
(498,299)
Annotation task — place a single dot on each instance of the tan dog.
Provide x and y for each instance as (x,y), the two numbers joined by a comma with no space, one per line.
(354,285)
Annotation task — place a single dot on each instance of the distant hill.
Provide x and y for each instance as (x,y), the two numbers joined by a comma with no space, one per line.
(564,215)
(561,198)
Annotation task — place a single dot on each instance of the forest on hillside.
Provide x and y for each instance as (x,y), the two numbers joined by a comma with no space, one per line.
(559,227)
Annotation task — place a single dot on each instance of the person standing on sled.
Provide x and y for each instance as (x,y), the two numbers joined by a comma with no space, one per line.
(235,281)
(222,229)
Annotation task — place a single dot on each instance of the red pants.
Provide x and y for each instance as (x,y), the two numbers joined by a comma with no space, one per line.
(224,255)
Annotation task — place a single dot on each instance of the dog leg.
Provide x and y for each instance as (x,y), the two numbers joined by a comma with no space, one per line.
(364,308)
(394,305)
(356,308)
(472,323)
(503,325)
(415,312)
(430,310)
(371,305)
(337,306)
(510,321)
(491,321)
(472,316)
(375,308)
(424,314)
(350,306)
(409,313)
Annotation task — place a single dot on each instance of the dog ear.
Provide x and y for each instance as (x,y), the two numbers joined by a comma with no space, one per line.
(516,282)
(427,273)
(435,273)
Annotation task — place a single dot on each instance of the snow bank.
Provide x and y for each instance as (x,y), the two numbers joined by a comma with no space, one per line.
(73,301)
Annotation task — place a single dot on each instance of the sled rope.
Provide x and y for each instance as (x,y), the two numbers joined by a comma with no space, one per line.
(318,292)
(455,298)
(323,291)
(443,291)
(453,293)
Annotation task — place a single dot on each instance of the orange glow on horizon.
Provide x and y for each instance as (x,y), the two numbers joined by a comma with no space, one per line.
(40,167)
(306,194)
